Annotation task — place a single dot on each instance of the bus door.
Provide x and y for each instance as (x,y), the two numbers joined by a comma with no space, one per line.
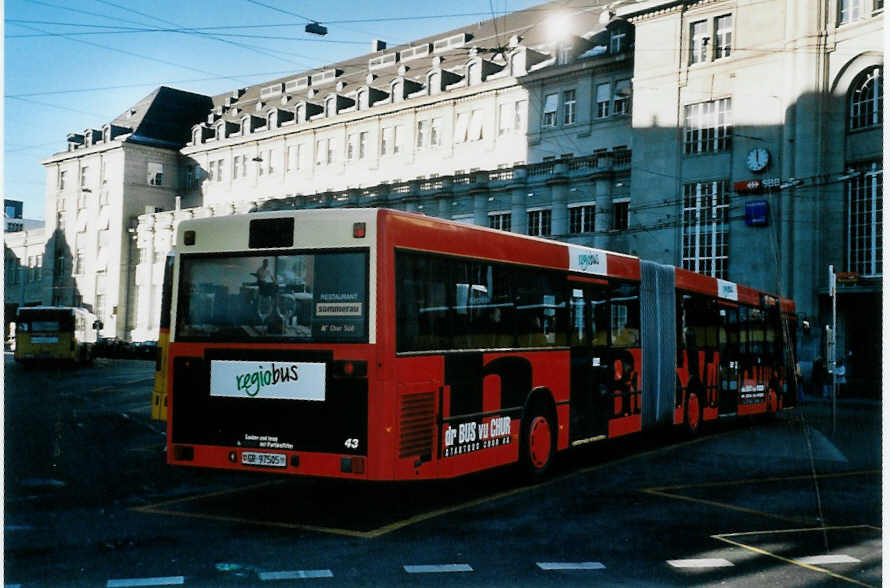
(591,361)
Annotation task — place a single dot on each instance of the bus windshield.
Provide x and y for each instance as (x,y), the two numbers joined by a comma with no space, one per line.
(291,296)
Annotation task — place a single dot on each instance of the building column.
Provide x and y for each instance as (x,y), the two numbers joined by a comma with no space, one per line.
(602,222)
(518,213)
(480,209)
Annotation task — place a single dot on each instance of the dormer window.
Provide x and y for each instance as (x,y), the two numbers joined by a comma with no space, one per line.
(330,106)
(397,93)
(564,54)
(106,134)
(270,120)
(300,113)
(474,73)
(434,82)
(245,125)
(617,42)
(196,136)
(362,99)
(221,130)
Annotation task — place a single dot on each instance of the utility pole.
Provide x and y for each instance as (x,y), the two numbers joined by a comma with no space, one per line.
(832,345)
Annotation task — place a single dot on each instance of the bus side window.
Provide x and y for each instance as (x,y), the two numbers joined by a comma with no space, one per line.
(625,321)
(601,320)
(578,319)
(422,309)
(541,315)
(743,330)
(483,310)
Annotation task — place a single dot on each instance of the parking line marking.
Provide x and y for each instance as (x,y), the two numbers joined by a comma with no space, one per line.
(660,491)
(790,561)
(438,569)
(823,560)
(132,582)
(296,575)
(708,562)
(581,565)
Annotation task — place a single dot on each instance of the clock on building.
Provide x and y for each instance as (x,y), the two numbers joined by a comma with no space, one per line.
(757,159)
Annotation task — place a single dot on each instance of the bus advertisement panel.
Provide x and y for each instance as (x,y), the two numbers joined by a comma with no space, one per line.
(384,345)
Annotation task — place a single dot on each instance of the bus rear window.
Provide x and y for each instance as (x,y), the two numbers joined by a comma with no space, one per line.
(301,297)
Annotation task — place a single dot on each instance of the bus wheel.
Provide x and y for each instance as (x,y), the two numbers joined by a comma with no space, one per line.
(538,445)
(693,414)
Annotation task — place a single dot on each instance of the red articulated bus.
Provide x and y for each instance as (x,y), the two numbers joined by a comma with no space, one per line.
(383,345)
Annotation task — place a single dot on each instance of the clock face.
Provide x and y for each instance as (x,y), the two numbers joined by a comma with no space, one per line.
(757,159)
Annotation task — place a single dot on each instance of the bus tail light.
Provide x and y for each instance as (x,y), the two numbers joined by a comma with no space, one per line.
(358,230)
(183,453)
(349,369)
(352,465)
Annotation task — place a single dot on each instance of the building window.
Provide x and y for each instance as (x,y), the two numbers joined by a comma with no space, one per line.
(321,149)
(622,94)
(698,42)
(848,11)
(293,157)
(505,118)
(79,262)
(519,109)
(236,166)
(581,218)
(603,97)
(84,176)
(865,205)
(539,222)
(332,151)
(620,215)
(568,107)
(550,106)
(351,146)
(706,228)
(474,73)
(62,180)
(617,42)
(422,133)
(435,132)
(386,140)
(867,100)
(707,127)
(564,54)
(219,169)
(155,174)
(500,220)
(362,144)
(722,36)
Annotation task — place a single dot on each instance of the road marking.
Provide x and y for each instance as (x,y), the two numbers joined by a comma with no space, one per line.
(662,491)
(296,575)
(438,569)
(726,539)
(581,565)
(715,562)
(822,560)
(132,582)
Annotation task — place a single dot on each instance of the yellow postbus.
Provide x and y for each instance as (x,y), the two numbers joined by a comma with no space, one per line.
(55,333)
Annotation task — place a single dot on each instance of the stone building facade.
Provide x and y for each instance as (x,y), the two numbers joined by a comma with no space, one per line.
(735,138)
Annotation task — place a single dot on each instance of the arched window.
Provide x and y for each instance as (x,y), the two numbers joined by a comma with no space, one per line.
(361,100)
(196,136)
(329,109)
(220,131)
(298,112)
(245,125)
(866,100)
(397,93)
(270,120)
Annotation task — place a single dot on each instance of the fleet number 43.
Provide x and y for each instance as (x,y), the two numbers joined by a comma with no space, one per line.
(351,443)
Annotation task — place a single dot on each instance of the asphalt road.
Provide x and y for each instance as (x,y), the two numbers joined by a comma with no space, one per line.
(89,501)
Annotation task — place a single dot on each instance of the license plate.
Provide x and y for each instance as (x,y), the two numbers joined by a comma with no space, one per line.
(266,460)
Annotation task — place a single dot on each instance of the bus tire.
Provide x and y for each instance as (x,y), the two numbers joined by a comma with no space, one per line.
(538,442)
(692,413)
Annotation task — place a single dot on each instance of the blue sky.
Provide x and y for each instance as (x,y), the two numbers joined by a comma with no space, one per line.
(73,65)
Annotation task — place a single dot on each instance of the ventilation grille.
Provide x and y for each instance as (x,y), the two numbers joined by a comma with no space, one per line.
(417,425)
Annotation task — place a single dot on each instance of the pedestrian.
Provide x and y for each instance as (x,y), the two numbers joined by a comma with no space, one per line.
(840,372)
